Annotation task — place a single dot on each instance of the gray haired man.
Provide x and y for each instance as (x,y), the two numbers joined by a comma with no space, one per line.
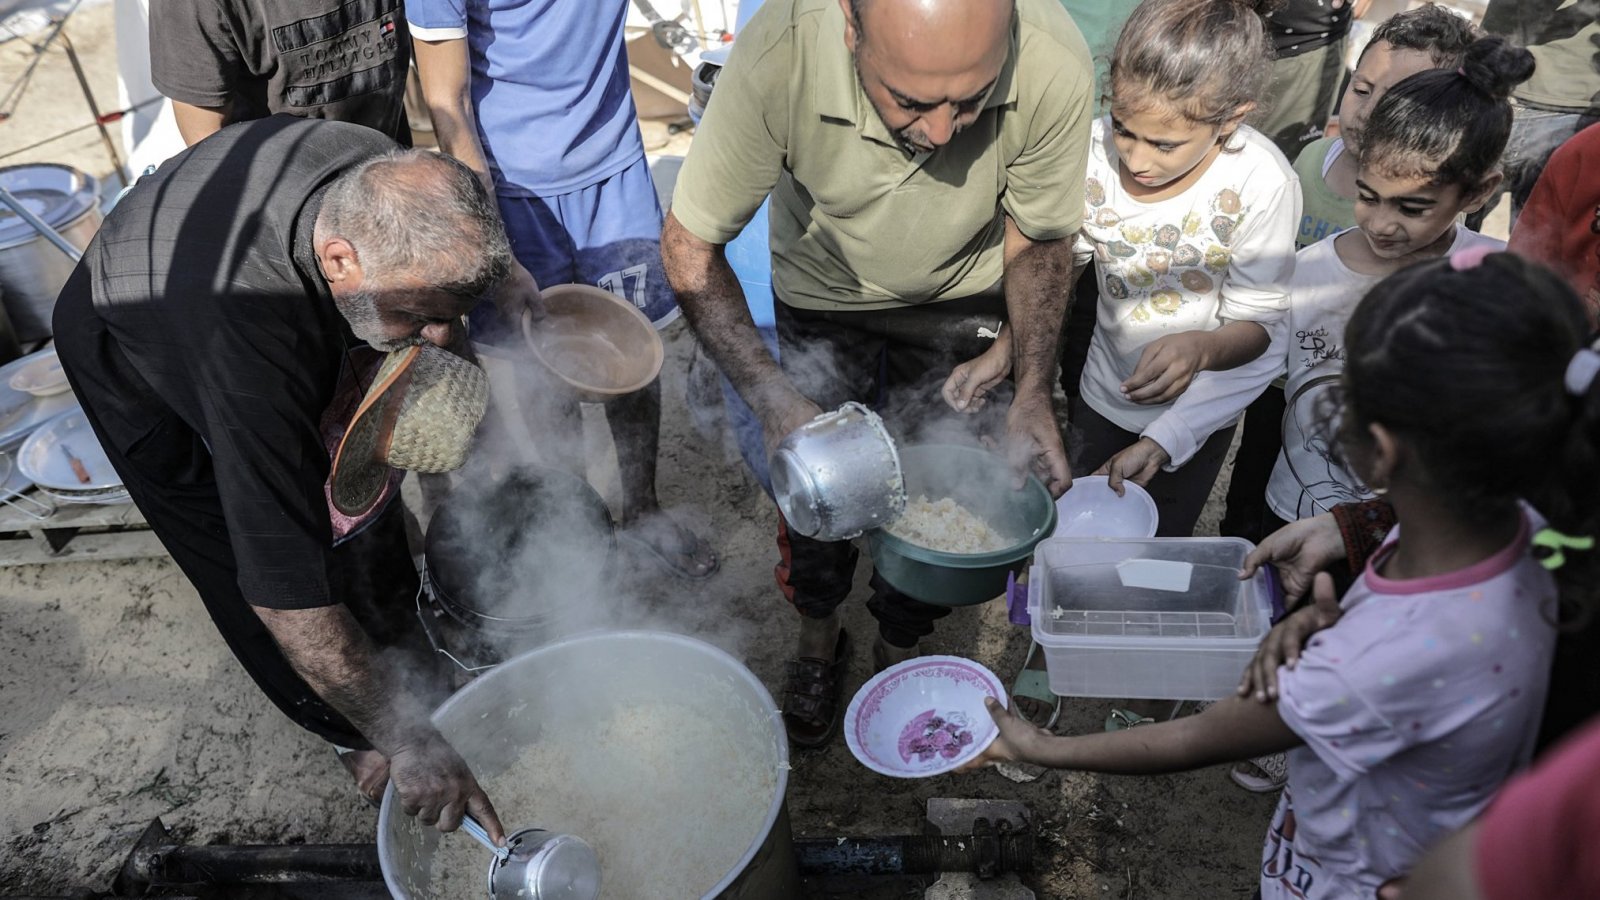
(206,333)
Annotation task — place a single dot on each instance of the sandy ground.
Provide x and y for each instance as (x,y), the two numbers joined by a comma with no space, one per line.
(119,703)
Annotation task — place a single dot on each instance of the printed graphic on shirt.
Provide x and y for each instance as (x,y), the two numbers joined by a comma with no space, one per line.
(1162,269)
(1310,425)
(338,55)
(1319,346)
(1314,228)
(1293,874)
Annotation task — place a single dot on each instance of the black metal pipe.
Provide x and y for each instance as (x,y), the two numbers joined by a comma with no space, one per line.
(259,864)
(914,854)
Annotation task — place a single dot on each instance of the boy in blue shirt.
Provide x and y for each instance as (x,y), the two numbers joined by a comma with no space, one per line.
(534,96)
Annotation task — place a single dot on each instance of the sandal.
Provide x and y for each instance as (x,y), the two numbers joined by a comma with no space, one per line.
(1034,684)
(811,693)
(1121,719)
(1261,774)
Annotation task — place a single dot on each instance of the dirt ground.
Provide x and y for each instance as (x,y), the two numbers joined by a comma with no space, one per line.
(118,702)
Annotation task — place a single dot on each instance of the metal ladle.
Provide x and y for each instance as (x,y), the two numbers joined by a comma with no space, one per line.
(539,865)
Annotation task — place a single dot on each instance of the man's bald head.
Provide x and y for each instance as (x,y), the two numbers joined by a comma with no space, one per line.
(928,65)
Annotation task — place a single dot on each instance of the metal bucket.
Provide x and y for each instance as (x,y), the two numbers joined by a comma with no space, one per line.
(502,560)
(32,270)
(640,666)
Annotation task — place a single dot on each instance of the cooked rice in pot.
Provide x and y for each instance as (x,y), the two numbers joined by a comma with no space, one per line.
(946,526)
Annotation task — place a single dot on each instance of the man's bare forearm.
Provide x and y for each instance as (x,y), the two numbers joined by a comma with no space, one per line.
(329,649)
(1038,286)
(711,299)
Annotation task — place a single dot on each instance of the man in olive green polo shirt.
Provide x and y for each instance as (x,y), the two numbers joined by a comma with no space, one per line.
(919,154)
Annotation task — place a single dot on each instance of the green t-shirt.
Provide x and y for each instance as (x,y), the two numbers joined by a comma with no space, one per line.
(1323,213)
(1100,21)
(857,222)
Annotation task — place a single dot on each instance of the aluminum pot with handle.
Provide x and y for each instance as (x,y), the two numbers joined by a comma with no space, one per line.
(838,475)
(32,269)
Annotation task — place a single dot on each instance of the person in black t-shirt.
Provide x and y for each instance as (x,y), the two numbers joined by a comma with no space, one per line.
(225,61)
(1308,38)
(205,332)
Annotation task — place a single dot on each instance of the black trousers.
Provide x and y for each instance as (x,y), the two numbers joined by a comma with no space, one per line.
(1259,447)
(372,573)
(1180,496)
(896,361)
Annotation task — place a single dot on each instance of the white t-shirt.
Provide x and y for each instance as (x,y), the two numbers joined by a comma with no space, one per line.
(1414,708)
(1306,344)
(1308,479)
(1223,249)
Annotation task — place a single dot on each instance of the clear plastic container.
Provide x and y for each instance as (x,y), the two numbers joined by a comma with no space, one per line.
(1109,629)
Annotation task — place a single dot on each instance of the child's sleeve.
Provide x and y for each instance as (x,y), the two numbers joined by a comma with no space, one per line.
(1335,717)
(1256,286)
(1215,400)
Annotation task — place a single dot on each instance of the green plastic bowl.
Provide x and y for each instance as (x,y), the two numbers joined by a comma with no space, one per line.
(981,481)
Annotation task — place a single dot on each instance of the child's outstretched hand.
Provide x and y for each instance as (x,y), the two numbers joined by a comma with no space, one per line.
(1299,550)
(1016,734)
(1283,643)
(1138,462)
(967,388)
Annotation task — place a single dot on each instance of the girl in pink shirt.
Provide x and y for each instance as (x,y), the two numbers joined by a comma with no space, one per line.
(1403,717)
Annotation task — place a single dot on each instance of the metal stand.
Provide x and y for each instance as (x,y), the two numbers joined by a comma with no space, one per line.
(57,32)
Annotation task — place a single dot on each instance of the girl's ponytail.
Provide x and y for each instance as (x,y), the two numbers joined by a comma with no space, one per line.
(1495,66)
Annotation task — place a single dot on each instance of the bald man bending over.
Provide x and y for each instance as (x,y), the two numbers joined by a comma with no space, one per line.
(926,162)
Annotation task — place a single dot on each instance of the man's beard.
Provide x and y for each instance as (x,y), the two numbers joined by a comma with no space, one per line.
(360,309)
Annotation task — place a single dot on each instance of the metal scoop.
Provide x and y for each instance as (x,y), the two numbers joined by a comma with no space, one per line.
(539,865)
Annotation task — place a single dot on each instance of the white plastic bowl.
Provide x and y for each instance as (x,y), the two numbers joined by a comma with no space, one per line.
(1091,509)
(923,717)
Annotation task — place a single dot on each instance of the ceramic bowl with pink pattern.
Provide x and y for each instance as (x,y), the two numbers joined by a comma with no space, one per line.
(922,717)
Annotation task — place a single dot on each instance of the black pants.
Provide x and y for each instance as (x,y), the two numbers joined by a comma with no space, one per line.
(373,574)
(1180,496)
(894,360)
(1259,447)
(1078,332)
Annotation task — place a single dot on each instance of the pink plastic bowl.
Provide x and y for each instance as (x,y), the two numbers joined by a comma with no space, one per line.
(923,717)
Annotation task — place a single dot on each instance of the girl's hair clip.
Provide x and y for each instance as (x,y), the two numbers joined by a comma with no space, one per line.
(1470,258)
(1550,547)
(1581,371)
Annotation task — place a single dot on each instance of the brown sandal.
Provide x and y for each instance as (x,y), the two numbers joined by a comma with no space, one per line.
(811,692)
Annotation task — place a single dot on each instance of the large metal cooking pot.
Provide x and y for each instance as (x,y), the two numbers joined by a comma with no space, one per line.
(504,559)
(32,270)
(560,687)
